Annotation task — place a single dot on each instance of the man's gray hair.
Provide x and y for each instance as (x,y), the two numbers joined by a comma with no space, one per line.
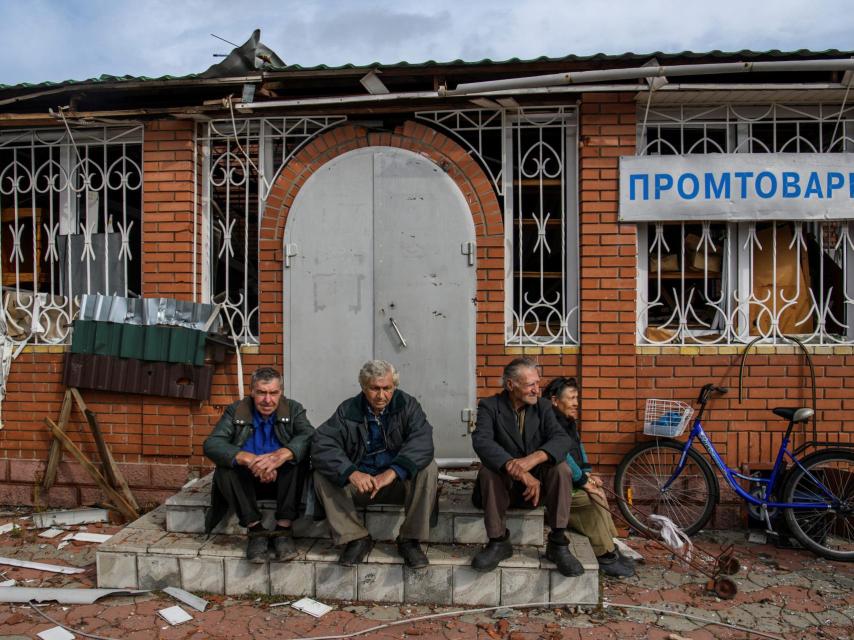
(515,366)
(374,369)
(265,374)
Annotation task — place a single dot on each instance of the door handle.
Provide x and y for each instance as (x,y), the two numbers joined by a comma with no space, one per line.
(397,331)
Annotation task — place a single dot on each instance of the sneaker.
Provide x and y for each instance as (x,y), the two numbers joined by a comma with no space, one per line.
(567,564)
(496,550)
(256,547)
(612,564)
(413,556)
(283,545)
(355,552)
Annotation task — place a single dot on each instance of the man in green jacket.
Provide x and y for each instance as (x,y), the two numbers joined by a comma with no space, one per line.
(260,448)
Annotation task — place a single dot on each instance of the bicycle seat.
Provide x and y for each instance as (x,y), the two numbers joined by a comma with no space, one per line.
(794,415)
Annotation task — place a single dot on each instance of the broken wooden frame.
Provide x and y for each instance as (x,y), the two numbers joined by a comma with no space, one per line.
(110,479)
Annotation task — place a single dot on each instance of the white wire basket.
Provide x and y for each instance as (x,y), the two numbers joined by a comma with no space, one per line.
(666,418)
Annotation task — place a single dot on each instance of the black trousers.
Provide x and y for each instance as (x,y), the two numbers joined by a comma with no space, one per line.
(242,490)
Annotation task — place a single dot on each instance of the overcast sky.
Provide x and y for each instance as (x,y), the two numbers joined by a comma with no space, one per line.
(75,39)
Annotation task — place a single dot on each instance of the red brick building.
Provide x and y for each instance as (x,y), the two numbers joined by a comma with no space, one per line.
(318,204)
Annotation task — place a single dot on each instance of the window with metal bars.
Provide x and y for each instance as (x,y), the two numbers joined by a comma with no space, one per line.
(703,282)
(70,224)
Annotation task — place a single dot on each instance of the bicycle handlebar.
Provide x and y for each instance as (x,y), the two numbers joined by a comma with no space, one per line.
(707,390)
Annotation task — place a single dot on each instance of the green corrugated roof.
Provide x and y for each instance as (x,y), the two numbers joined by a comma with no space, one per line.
(716,53)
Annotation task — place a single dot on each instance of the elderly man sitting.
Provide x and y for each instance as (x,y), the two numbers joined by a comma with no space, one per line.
(260,448)
(523,450)
(377,447)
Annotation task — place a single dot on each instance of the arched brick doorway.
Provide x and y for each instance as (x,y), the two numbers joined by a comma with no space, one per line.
(467,191)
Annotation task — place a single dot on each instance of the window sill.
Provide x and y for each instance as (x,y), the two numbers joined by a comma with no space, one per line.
(738,349)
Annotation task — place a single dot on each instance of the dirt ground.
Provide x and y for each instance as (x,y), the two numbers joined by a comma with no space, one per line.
(785,593)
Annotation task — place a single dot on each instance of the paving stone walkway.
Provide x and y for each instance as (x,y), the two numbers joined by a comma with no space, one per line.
(783,592)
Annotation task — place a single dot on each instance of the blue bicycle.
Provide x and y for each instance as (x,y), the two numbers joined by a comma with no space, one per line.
(666,477)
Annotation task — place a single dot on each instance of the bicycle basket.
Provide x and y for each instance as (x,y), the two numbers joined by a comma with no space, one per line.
(666,418)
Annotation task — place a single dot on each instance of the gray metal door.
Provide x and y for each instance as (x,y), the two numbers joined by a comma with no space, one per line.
(401,228)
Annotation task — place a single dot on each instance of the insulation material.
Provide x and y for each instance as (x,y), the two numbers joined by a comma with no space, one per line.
(791,278)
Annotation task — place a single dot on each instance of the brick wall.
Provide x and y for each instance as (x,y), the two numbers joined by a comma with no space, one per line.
(158,441)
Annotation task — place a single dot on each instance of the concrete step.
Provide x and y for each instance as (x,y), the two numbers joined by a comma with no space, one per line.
(459,522)
(145,555)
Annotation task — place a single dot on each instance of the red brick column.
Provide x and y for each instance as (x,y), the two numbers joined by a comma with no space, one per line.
(608,279)
(167,212)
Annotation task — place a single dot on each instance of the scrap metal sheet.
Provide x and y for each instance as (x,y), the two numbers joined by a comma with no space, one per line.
(148,311)
(127,375)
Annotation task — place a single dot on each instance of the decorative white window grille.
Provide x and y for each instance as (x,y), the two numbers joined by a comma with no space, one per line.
(242,159)
(703,282)
(70,206)
(530,156)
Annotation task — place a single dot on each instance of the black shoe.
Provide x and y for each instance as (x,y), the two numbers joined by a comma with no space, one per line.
(496,550)
(412,554)
(283,545)
(256,547)
(612,564)
(355,551)
(567,564)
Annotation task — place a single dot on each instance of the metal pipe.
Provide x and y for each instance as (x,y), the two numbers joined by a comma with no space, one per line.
(632,73)
(604,88)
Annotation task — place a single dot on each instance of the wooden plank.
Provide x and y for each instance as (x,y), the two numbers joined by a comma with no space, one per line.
(117,499)
(55,455)
(111,469)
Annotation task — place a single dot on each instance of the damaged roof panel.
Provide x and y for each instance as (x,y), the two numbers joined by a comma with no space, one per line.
(158,343)
(596,57)
(128,375)
(149,311)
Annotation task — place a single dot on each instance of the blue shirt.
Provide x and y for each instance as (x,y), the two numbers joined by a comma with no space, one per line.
(263,439)
(377,456)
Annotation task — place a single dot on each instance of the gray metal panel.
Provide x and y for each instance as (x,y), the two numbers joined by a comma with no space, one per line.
(147,311)
(328,289)
(424,282)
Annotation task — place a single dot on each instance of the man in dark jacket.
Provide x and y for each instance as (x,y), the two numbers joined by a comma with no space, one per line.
(522,449)
(260,447)
(376,447)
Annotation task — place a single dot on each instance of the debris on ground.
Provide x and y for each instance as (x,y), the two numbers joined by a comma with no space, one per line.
(174,615)
(86,515)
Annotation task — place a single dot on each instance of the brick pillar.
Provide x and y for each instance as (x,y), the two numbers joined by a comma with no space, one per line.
(167,210)
(608,276)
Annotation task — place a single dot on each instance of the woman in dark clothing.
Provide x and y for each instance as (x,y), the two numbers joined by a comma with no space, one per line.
(589,516)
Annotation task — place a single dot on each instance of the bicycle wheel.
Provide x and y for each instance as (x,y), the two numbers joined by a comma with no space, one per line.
(827,476)
(689,501)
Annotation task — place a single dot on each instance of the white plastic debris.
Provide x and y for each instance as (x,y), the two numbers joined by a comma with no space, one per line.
(627,552)
(187,598)
(39,566)
(55,633)
(84,515)
(9,526)
(312,607)
(51,533)
(672,535)
(8,583)
(448,478)
(84,536)
(174,615)
(62,596)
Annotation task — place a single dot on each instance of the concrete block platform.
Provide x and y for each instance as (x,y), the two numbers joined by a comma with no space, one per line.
(459,522)
(145,555)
